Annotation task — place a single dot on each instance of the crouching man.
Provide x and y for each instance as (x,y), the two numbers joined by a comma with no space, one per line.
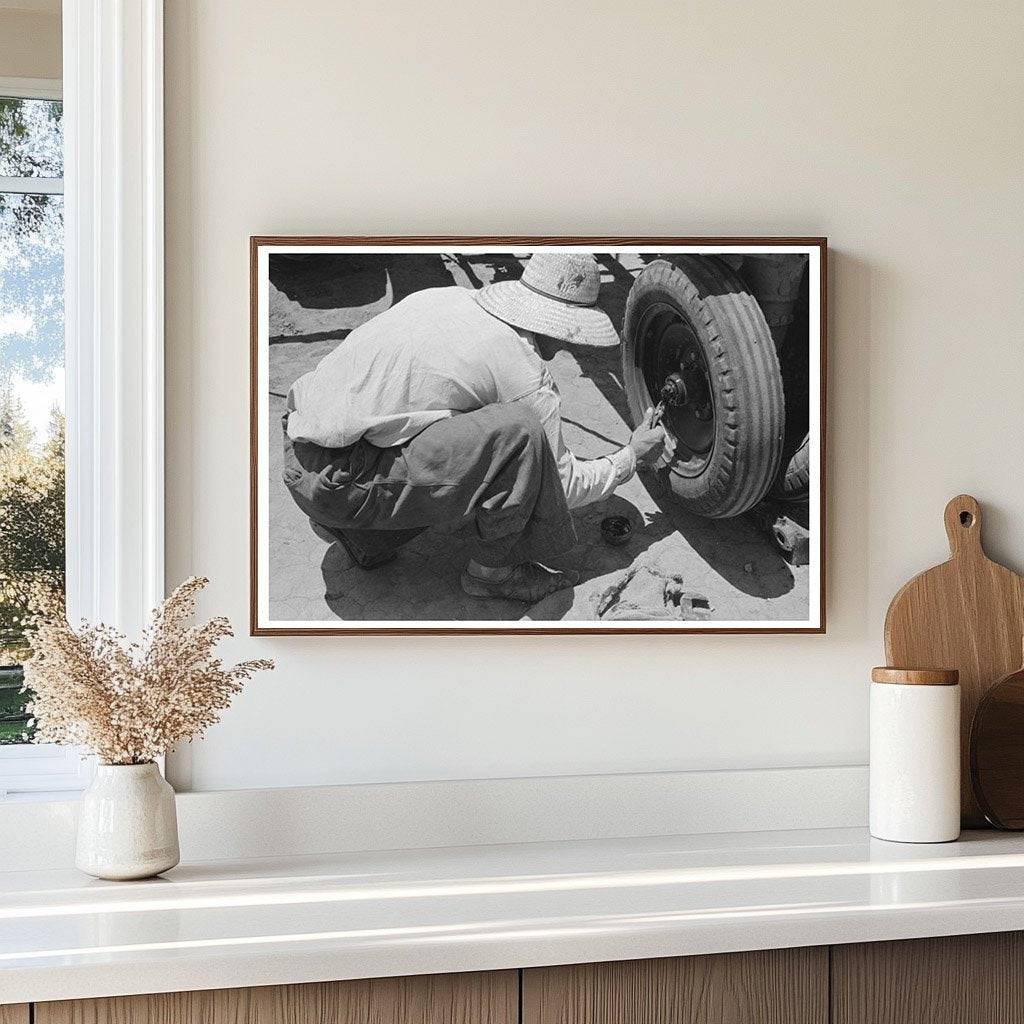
(442,410)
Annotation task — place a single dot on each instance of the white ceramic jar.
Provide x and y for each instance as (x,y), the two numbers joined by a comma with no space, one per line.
(127,824)
(915,755)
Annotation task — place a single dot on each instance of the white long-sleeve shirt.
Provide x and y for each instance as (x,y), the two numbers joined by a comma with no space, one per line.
(433,355)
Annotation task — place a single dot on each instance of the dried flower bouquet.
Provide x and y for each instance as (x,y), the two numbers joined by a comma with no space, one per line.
(129,703)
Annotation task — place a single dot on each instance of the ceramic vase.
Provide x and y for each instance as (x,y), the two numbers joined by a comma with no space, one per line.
(915,755)
(127,825)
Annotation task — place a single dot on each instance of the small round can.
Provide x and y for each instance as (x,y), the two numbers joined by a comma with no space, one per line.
(915,755)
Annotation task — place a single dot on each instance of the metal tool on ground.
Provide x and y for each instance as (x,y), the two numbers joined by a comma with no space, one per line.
(644,592)
(792,539)
(616,530)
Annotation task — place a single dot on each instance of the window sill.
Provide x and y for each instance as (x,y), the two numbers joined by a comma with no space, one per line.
(44,771)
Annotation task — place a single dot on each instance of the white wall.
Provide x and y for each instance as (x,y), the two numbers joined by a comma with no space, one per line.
(895,129)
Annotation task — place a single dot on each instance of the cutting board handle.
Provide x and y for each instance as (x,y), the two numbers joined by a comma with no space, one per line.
(963,526)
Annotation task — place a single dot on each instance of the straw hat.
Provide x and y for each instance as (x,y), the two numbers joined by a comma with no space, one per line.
(555,296)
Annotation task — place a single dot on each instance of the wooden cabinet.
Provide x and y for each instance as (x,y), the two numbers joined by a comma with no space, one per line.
(776,986)
(491,998)
(971,979)
(962,979)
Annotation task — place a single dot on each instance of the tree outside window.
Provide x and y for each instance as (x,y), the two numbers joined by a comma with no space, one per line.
(31,386)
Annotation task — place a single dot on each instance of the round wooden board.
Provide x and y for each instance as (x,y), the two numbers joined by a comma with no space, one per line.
(997,752)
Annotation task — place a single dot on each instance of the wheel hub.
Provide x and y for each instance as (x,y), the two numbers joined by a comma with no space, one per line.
(675,371)
(673,391)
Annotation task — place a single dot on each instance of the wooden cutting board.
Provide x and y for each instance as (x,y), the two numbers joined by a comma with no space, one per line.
(967,614)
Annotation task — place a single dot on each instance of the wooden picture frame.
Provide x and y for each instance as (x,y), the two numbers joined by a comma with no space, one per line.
(725,250)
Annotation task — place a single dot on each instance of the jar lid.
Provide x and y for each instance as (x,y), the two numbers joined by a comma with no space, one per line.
(916,676)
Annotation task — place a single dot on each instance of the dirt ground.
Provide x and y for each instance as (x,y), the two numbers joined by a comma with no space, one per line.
(312,579)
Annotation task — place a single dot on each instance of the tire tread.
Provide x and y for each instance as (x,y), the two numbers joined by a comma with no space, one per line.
(747,381)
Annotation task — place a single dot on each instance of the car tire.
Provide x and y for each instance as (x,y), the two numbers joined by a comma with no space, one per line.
(729,438)
(794,484)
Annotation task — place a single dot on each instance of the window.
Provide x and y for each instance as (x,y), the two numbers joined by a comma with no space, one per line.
(32,562)
(98,161)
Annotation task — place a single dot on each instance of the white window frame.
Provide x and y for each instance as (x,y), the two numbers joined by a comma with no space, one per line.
(114,325)
(32,88)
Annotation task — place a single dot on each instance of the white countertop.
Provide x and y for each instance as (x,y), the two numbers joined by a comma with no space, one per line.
(262,922)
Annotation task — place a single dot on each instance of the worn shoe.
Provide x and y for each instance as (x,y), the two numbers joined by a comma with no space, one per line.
(529,581)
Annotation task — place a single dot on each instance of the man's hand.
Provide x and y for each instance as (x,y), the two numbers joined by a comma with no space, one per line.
(649,439)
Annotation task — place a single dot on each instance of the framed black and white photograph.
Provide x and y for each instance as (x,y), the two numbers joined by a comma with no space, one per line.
(556,435)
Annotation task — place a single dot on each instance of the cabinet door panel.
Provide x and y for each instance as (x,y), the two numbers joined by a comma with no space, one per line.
(481,998)
(960,979)
(778,986)
(14,1013)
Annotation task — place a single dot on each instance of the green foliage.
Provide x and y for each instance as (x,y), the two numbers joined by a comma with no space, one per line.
(31,545)
(14,727)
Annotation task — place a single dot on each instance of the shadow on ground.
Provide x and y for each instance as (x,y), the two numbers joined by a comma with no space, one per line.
(342,281)
(392,591)
(316,296)
(737,549)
